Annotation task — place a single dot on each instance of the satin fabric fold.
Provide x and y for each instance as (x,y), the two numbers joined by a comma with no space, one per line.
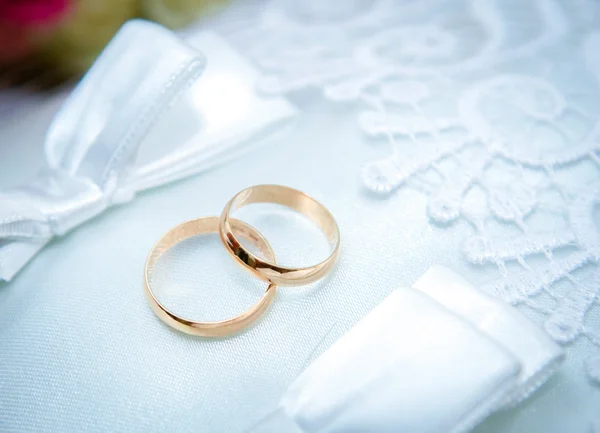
(432,358)
(93,140)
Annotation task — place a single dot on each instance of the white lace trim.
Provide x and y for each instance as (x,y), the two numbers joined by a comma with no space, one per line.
(489,107)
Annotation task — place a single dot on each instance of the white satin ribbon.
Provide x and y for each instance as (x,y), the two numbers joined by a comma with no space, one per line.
(537,353)
(415,364)
(93,142)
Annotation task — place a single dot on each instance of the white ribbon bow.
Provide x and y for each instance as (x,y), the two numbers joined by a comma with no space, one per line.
(92,142)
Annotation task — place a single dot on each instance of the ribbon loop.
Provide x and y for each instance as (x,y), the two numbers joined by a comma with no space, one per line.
(50,205)
(93,140)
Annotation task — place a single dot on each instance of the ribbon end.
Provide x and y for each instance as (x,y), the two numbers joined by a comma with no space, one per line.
(15,255)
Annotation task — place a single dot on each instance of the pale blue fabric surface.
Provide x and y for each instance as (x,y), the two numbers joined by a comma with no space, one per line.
(81,350)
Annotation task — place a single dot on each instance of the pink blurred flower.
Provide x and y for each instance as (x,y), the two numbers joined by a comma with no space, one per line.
(14,43)
(25,13)
(20,18)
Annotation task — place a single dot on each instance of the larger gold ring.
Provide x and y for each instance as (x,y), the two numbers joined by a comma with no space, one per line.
(298,201)
(206,329)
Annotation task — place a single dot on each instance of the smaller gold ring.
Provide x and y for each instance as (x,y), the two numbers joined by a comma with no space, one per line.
(293,199)
(206,329)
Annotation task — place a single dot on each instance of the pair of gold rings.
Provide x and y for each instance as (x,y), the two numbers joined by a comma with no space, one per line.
(230,231)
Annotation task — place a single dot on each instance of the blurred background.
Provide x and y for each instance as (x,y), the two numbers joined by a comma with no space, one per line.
(47,43)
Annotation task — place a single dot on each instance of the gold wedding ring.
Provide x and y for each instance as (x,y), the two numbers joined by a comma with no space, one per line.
(267,269)
(206,329)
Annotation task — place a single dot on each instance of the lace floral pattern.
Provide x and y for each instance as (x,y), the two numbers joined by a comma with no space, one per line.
(491,108)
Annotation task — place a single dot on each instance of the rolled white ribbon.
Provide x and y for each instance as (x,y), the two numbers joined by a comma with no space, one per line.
(538,355)
(415,365)
(93,140)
